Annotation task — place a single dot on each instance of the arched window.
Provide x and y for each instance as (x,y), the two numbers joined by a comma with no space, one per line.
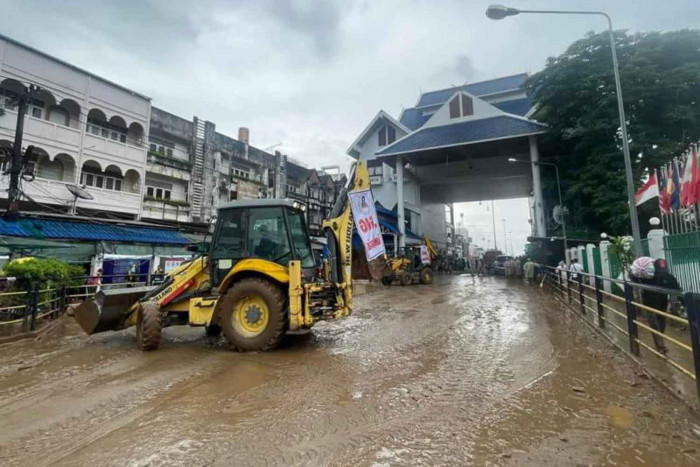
(58,115)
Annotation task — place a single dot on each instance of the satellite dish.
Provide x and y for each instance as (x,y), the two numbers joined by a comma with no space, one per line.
(558,214)
(79,192)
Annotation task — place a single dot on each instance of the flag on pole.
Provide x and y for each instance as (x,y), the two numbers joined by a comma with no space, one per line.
(648,191)
(663,191)
(695,196)
(687,188)
(674,198)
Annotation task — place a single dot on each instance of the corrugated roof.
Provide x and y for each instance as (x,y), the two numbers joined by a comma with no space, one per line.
(482,88)
(68,230)
(516,106)
(471,131)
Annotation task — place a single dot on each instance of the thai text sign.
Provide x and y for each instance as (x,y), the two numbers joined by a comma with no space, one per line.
(367,223)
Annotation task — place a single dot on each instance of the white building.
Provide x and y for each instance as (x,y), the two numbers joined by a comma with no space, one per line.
(453,146)
(86,130)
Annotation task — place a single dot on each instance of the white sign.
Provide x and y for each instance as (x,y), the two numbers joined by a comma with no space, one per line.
(424,255)
(172,263)
(367,223)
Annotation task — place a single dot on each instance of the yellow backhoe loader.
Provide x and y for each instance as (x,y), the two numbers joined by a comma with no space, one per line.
(257,281)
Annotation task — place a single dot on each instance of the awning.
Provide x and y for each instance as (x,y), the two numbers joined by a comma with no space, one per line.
(95,231)
(389,226)
(15,244)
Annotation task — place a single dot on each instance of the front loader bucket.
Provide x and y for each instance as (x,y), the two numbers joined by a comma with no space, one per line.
(108,309)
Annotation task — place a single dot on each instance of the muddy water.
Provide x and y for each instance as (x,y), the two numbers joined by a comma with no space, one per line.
(465,371)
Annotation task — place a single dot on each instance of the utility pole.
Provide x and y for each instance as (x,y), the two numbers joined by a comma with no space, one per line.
(505,240)
(15,169)
(493,219)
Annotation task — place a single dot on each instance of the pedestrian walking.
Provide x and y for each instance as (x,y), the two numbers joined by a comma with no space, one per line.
(529,271)
(662,278)
(576,270)
(518,268)
(561,272)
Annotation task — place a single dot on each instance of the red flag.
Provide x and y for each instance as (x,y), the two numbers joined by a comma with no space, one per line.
(648,191)
(687,188)
(695,195)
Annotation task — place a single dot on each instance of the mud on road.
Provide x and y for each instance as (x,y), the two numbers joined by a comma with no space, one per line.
(466,371)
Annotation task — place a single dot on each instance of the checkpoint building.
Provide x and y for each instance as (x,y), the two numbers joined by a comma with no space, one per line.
(453,146)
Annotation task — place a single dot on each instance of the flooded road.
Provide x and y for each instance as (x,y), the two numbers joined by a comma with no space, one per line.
(466,371)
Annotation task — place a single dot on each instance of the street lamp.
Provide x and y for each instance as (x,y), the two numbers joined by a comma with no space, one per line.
(561,204)
(499,12)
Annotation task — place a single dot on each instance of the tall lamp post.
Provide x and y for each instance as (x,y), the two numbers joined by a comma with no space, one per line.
(499,12)
(561,204)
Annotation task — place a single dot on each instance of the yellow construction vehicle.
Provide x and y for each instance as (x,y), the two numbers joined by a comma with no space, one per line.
(408,269)
(257,280)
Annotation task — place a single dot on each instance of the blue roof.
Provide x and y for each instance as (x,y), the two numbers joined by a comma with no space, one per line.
(69,230)
(382,211)
(482,88)
(471,131)
(414,118)
(390,226)
(516,106)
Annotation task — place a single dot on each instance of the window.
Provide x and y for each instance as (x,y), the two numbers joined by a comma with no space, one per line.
(454,108)
(101,181)
(229,243)
(267,236)
(109,183)
(154,147)
(159,193)
(117,184)
(466,109)
(90,180)
(149,191)
(382,136)
(391,134)
(36,112)
(169,152)
(300,238)
(467,106)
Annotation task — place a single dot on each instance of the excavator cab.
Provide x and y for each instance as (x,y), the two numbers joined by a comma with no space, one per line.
(257,282)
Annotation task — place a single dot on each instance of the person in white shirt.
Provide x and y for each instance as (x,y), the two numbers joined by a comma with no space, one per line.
(561,272)
(576,268)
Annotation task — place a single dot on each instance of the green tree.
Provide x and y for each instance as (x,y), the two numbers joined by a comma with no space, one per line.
(575,95)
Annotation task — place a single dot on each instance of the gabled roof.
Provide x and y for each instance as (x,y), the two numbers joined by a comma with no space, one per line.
(467,132)
(381,116)
(414,118)
(516,106)
(481,88)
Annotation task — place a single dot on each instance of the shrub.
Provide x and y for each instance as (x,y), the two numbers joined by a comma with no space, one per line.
(44,272)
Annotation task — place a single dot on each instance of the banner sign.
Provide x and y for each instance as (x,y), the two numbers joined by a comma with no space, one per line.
(424,255)
(367,223)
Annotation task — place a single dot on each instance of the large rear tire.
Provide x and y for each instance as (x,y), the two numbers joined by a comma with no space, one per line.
(149,322)
(426,276)
(406,278)
(252,315)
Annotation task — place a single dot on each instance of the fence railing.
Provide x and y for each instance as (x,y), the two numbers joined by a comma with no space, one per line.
(683,254)
(24,310)
(623,316)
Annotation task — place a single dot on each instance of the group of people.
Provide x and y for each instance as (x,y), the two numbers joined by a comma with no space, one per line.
(656,274)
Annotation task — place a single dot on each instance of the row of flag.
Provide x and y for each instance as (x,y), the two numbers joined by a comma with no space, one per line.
(677,184)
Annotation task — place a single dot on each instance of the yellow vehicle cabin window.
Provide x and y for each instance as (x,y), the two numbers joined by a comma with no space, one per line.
(267,235)
(300,239)
(230,242)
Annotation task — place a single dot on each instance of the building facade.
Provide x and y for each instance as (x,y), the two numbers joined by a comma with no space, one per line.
(85,131)
(132,161)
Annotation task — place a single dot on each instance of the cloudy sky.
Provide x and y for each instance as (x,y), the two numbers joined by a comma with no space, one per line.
(309,74)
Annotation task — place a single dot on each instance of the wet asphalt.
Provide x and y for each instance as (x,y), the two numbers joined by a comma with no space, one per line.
(467,371)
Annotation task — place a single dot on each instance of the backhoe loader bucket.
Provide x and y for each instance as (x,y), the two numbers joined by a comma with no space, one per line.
(109,309)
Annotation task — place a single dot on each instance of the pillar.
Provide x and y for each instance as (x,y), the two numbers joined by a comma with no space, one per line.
(399,201)
(540,224)
(656,243)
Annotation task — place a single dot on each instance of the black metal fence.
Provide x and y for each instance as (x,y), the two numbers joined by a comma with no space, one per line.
(23,310)
(623,315)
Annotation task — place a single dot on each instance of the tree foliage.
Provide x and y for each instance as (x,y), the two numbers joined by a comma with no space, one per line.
(575,95)
(45,272)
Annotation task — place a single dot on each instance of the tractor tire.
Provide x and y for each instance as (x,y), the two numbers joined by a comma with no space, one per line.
(149,323)
(387,280)
(426,276)
(252,315)
(213,330)
(406,278)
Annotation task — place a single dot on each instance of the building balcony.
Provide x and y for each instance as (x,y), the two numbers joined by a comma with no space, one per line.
(54,192)
(52,137)
(121,154)
(169,210)
(155,157)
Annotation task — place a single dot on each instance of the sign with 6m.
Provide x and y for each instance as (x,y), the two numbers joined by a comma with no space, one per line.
(366,223)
